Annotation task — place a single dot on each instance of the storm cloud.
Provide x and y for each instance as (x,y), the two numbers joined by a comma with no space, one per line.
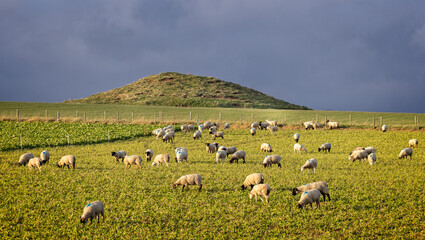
(327,55)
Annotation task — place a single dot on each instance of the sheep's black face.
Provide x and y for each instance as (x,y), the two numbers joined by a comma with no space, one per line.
(83,220)
(113,153)
(319,149)
(265,165)
(300,206)
(294,191)
(174,186)
(243,187)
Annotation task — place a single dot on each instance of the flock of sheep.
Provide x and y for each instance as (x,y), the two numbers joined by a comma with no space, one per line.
(311,192)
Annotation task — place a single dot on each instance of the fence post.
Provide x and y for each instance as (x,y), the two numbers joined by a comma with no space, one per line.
(108,135)
(154,118)
(20,138)
(67,137)
(76,113)
(160,116)
(84,116)
(241,119)
(46,113)
(132,116)
(17,114)
(284,118)
(58,116)
(197,119)
(381,121)
(351,123)
(220,117)
(326,120)
(104,115)
(190,115)
(373,122)
(317,117)
(118,116)
(252,117)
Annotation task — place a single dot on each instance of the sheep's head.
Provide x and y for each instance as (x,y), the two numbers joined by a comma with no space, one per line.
(83,220)
(243,187)
(175,185)
(319,149)
(295,191)
(113,153)
(301,206)
(302,168)
(265,165)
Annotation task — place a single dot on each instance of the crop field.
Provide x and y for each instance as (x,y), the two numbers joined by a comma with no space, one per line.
(385,200)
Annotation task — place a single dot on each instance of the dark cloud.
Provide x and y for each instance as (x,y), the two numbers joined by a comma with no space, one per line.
(339,55)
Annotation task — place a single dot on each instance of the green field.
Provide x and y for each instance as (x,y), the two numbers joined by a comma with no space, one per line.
(380,201)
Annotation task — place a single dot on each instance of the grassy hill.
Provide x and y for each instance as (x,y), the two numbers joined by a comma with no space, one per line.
(184,90)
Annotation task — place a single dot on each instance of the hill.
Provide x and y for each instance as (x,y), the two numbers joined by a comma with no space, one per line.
(184,90)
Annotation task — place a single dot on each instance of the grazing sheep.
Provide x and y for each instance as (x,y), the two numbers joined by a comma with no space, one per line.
(321,186)
(217,134)
(296,137)
(197,135)
(186,180)
(309,197)
(357,149)
(201,128)
(266,147)
(405,152)
(226,126)
(255,125)
(181,154)
(66,161)
(212,129)
(149,155)
(358,155)
(24,158)
(272,123)
(310,164)
(371,158)
(325,147)
(184,128)
(370,150)
(413,142)
(212,147)
(252,180)
(253,131)
(384,128)
(272,159)
(308,125)
(273,129)
(168,137)
(238,155)
(207,125)
(230,150)
(133,160)
(221,155)
(45,156)
(169,129)
(156,131)
(93,210)
(332,125)
(35,162)
(160,159)
(216,124)
(263,126)
(317,125)
(260,190)
(299,148)
(119,155)
(160,134)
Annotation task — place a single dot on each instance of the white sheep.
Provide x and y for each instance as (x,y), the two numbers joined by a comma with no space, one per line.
(160,133)
(310,164)
(169,129)
(405,152)
(238,155)
(201,128)
(333,125)
(184,128)
(160,159)
(230,150)
(197,135)
(413,142)
(317,125)
(370,150)
(186,180)
(384,128)
(357,149)
(119,155)
(253,131)
(272,159)
(216,124)
(217,134)
(181,154)
(149,154)
(168,137)
(24,158)
(213,129)
(309,197)
(252,180)
(321,186)
(299,148)
(358,155)
(260,190)
(66,161)
(308,125)
(271,123)
(265,147)
(263,126)
(156,131)
(226,126)
(296,137)
(212,147)
(371,158)
(35,162)
(255,125)
(221,155)
(45,156)
(93,210)
(325,147)
(207,125)
(133,160)
(273,129)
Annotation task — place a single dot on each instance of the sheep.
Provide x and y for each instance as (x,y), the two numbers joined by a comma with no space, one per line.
(370,150)
(181,154)
(371,158)
(263,126)
(133,160)
(149,155)
(160,134)
(201,128)
(66,161)
(357,149)
(155,132)
(212,147)
(325,147)
(260,190)
(168,130)
(253,131)
(272,159)
(212,129)
(317,125)
(226,126)
(309,197)
(197,135)
(273,129)
(45,156)
(221,148)
(308,125)
(311,164)
(332,125)
(160,159)
(168,137)
(266,147)
(413,142)
(296,137)
(255,125)
(216,124)
(358,155)
(230,150)
(24,158)
(93,210)
(190,127)
(119,155)
(35,162)
(238,155)
(184,128)
(299,148)
(186,180)
(252,180)
(321,186)
(221,155)
(384,128)
(217,134)
(207,125)
(272,123)
(405,152)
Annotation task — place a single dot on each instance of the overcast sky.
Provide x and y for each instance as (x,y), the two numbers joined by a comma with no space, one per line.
(346,55)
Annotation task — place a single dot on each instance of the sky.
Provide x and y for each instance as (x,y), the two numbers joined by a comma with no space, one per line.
(361,55)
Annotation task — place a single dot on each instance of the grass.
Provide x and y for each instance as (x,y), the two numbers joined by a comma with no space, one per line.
(380,201)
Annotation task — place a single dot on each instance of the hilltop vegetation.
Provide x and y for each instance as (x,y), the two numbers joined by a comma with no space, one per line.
(185,90)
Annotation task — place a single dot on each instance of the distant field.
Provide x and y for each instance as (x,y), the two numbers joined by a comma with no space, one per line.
(146,114)
(381,201)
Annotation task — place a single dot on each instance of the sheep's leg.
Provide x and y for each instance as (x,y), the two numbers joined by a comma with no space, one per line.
(39,168)
(98,217)
(329,197)
(183,187)
(67,166)
(255,197)
(261,198)
(243,160)
(311,205)
(103,216)
(318,204)
(324,197)
(267,198)
(200,187)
